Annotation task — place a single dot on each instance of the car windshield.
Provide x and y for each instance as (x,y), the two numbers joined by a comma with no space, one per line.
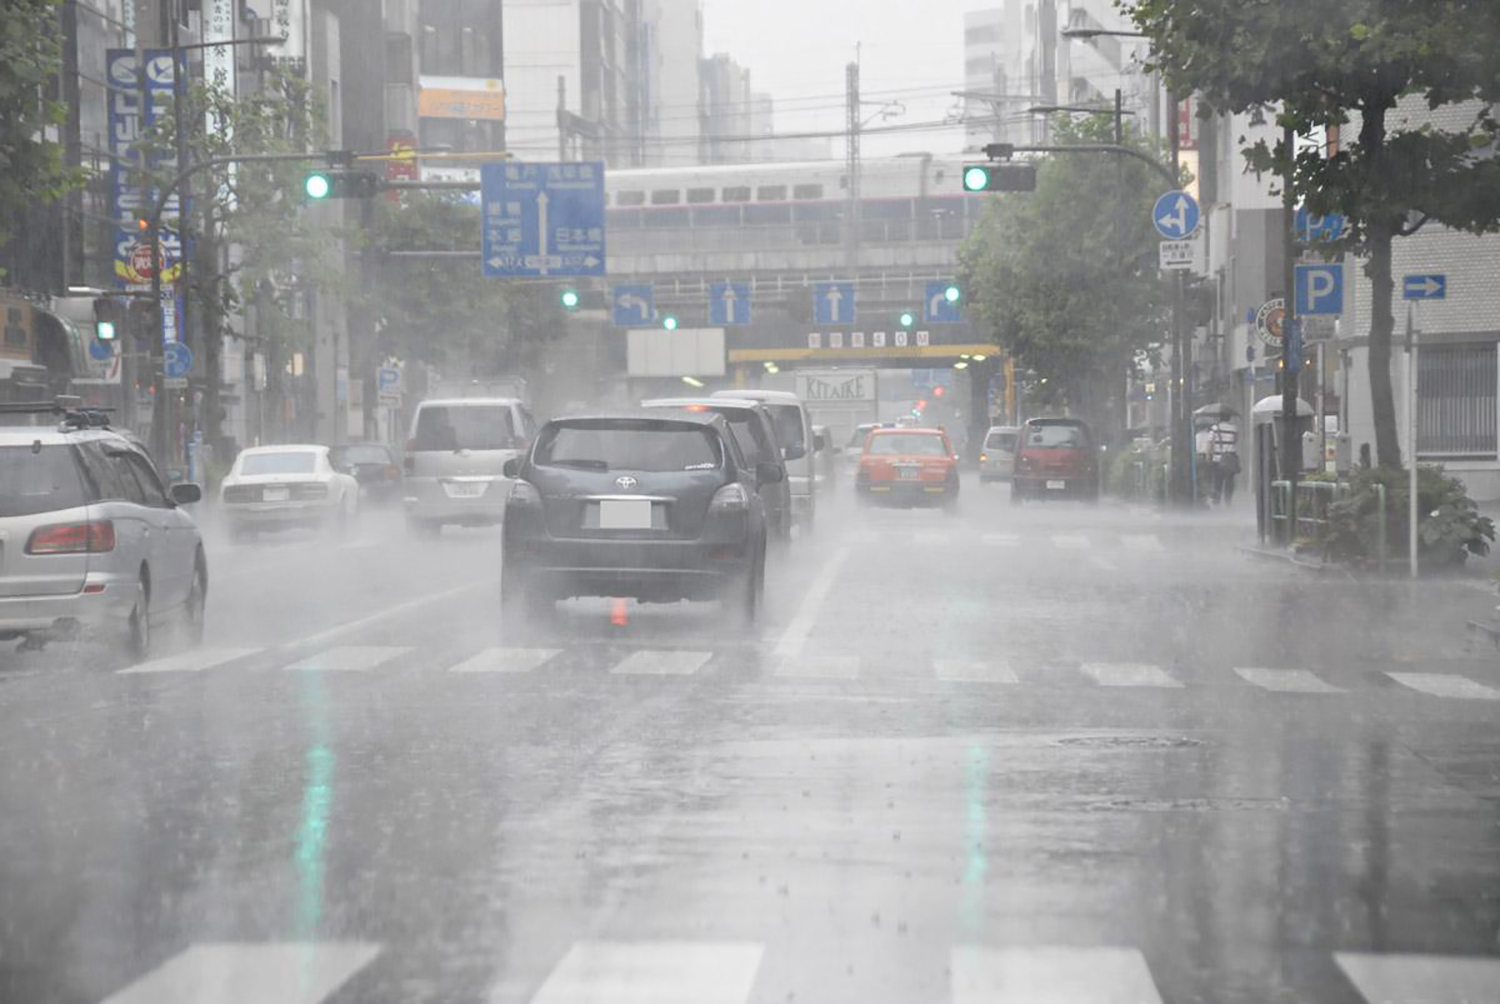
(1055,437)
(629,445)
(906,444)
(1000,441)
(361,454)
(39,479)
(465,427)
(290,462)
(787,418)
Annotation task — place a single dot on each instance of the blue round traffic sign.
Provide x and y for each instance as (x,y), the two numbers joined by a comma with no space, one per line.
(101,352)
(1175,215)
(177,360)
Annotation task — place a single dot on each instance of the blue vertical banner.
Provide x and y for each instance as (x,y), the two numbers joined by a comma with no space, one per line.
(127,123)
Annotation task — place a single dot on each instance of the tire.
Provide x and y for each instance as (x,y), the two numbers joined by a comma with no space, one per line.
(950,506)
(196,606)
(522,607)
(749,591)
(422,528)
(243,535)
(138,627)
(1016,495)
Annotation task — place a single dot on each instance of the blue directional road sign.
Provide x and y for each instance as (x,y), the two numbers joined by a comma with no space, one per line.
(1320,289)
(833,302)
(937,308)
(176,360)
(634,305)
(1175,215)
(728,303)
(1433,286)
(101,352)
(1311,228)
(542,219)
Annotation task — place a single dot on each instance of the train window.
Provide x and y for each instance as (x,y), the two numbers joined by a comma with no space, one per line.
(770,193)
(768,214)
(716,216)
(737,193)
(698,196)
(636,198)
(666,197)
(807,192)
(818,211)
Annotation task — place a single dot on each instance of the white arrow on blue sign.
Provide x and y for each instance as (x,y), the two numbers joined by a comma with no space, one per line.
(542,219)
(833,302)
(1176,215)
(634,304)
(937,308)
(388,378)
(728,303)
(1320,289)
(1433,286)
(176,360)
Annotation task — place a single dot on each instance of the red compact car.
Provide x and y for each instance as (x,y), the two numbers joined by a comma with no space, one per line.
(910,466)
(1055,458)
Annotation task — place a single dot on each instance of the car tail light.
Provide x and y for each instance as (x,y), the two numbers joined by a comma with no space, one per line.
(730,498)
(310,490)
(73,538)
(524,493)
(984,458)
(392,472)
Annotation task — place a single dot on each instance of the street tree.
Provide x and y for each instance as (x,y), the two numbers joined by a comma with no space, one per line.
(1066,276)
(1367,65)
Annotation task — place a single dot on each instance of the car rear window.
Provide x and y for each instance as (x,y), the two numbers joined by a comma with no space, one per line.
(465,427)
(788,421)
(1000,441)
(907,444)
(35,480)
(629,445)
(290,462)
(1055,437)
(749,435)
(362,455)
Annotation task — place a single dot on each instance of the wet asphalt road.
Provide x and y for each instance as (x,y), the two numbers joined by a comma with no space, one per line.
(1050,754)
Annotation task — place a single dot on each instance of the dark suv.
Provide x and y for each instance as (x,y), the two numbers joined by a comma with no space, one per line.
(655,505)
(1055,458)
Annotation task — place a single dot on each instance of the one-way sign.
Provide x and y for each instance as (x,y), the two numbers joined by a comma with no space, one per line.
(1433,286)
(833,302)
(728,303)
(542,219)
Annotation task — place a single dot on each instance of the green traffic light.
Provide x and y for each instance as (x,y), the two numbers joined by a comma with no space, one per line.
(570,298)
(976,179)
(907,319)
(317,186)
(105,331)
(951,294)
(669,322)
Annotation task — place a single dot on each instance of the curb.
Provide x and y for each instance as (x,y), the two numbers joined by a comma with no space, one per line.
(1315,568)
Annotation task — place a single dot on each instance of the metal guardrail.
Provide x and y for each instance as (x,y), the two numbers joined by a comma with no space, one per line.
(1314,498)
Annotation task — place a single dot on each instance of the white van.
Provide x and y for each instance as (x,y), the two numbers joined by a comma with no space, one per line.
(794,433)
(455,460)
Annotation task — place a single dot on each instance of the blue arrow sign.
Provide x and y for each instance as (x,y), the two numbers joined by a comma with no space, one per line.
(542,219)
(937,308)
(1311,228)
(833,302)
(101,352)
(728,303)
(1320,289)
(634,304)
(1433,286)
(1175,215)
(387,378)
(176,360)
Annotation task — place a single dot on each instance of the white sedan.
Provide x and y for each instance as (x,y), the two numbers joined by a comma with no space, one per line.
(287,487)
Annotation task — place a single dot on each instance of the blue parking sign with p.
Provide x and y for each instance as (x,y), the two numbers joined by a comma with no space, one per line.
(1320,289)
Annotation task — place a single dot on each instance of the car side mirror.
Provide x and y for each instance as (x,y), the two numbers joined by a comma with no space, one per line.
(512,467)
(186,493)
(768,473)
(793,452)
(820,442)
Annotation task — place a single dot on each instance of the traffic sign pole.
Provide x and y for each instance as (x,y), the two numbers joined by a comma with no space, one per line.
(1291,440)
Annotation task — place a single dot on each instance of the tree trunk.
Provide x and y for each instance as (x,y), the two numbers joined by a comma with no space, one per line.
(1382,326)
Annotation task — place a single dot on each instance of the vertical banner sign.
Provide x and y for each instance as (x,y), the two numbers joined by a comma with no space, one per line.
(126,124)
(218,71)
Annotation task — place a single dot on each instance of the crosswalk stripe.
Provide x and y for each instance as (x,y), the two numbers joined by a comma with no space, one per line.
(684,972)
(932,537)
(962,671)
(1051,974)
(244,973)
(193,661)
(350,658)
(1446,685)
(662,662)
(1001,539)
(1070,542)
(1421,979)
(819,667)
(1103,564)
(1292,681)
(1128,674)
(505,660)
(1142,542)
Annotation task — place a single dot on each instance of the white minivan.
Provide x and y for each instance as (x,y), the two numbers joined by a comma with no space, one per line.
(794,434)
(455,460)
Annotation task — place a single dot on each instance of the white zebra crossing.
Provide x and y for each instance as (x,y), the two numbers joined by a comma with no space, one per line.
(1142,542)
(1051,974)
(1446,685)
(661,662)
(653,972)
(1422,979)
(250,973)
(1001,539)
(819,667)
(963,671)
(349,658)
(1070,542)
(1128,674)
(193,661)
(1291,681)
(505,660)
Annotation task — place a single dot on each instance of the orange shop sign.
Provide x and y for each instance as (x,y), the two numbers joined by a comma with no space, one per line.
(452,103)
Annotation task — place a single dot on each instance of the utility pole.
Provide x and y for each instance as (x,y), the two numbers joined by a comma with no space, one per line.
(562,117)
(1291,340)
(851,97)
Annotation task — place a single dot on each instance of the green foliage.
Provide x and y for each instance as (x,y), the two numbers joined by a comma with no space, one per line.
(1450,527)
(31,167)
(1066,277)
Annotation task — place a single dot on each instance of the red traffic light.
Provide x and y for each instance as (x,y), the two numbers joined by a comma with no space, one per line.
(939,391)
(922,405)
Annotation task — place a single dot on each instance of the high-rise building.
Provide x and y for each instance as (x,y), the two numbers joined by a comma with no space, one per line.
(728,111)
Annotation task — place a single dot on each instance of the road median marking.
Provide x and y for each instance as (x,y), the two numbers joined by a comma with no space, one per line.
(795,636)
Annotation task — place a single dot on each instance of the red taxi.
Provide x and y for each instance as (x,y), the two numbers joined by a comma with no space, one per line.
(908,466)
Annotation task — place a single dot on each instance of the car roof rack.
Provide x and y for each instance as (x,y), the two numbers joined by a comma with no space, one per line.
(68,407)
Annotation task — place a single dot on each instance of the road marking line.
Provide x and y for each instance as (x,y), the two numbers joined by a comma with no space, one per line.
(242,973)
(932,537)
(1001,539)
(1128,674)
(1291,681)
(1102,564)
(1048,974)
(505,660)
(795,636)
(819,667)
(380,616)
(349,658)
(1433,979)
(1446,685)
(1070,542)
(192,661)
(1142,542)
(963,671)
(662,662)
(663,972)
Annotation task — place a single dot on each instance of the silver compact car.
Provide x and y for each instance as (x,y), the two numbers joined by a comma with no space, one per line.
(287,487)
(91,543)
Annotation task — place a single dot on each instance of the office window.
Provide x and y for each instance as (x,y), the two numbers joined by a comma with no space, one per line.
(1456,400)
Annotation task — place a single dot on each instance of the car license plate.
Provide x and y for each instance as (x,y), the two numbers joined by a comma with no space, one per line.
(1056,486)
(908,473)
(465,489)
(625,514)
(275,493)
